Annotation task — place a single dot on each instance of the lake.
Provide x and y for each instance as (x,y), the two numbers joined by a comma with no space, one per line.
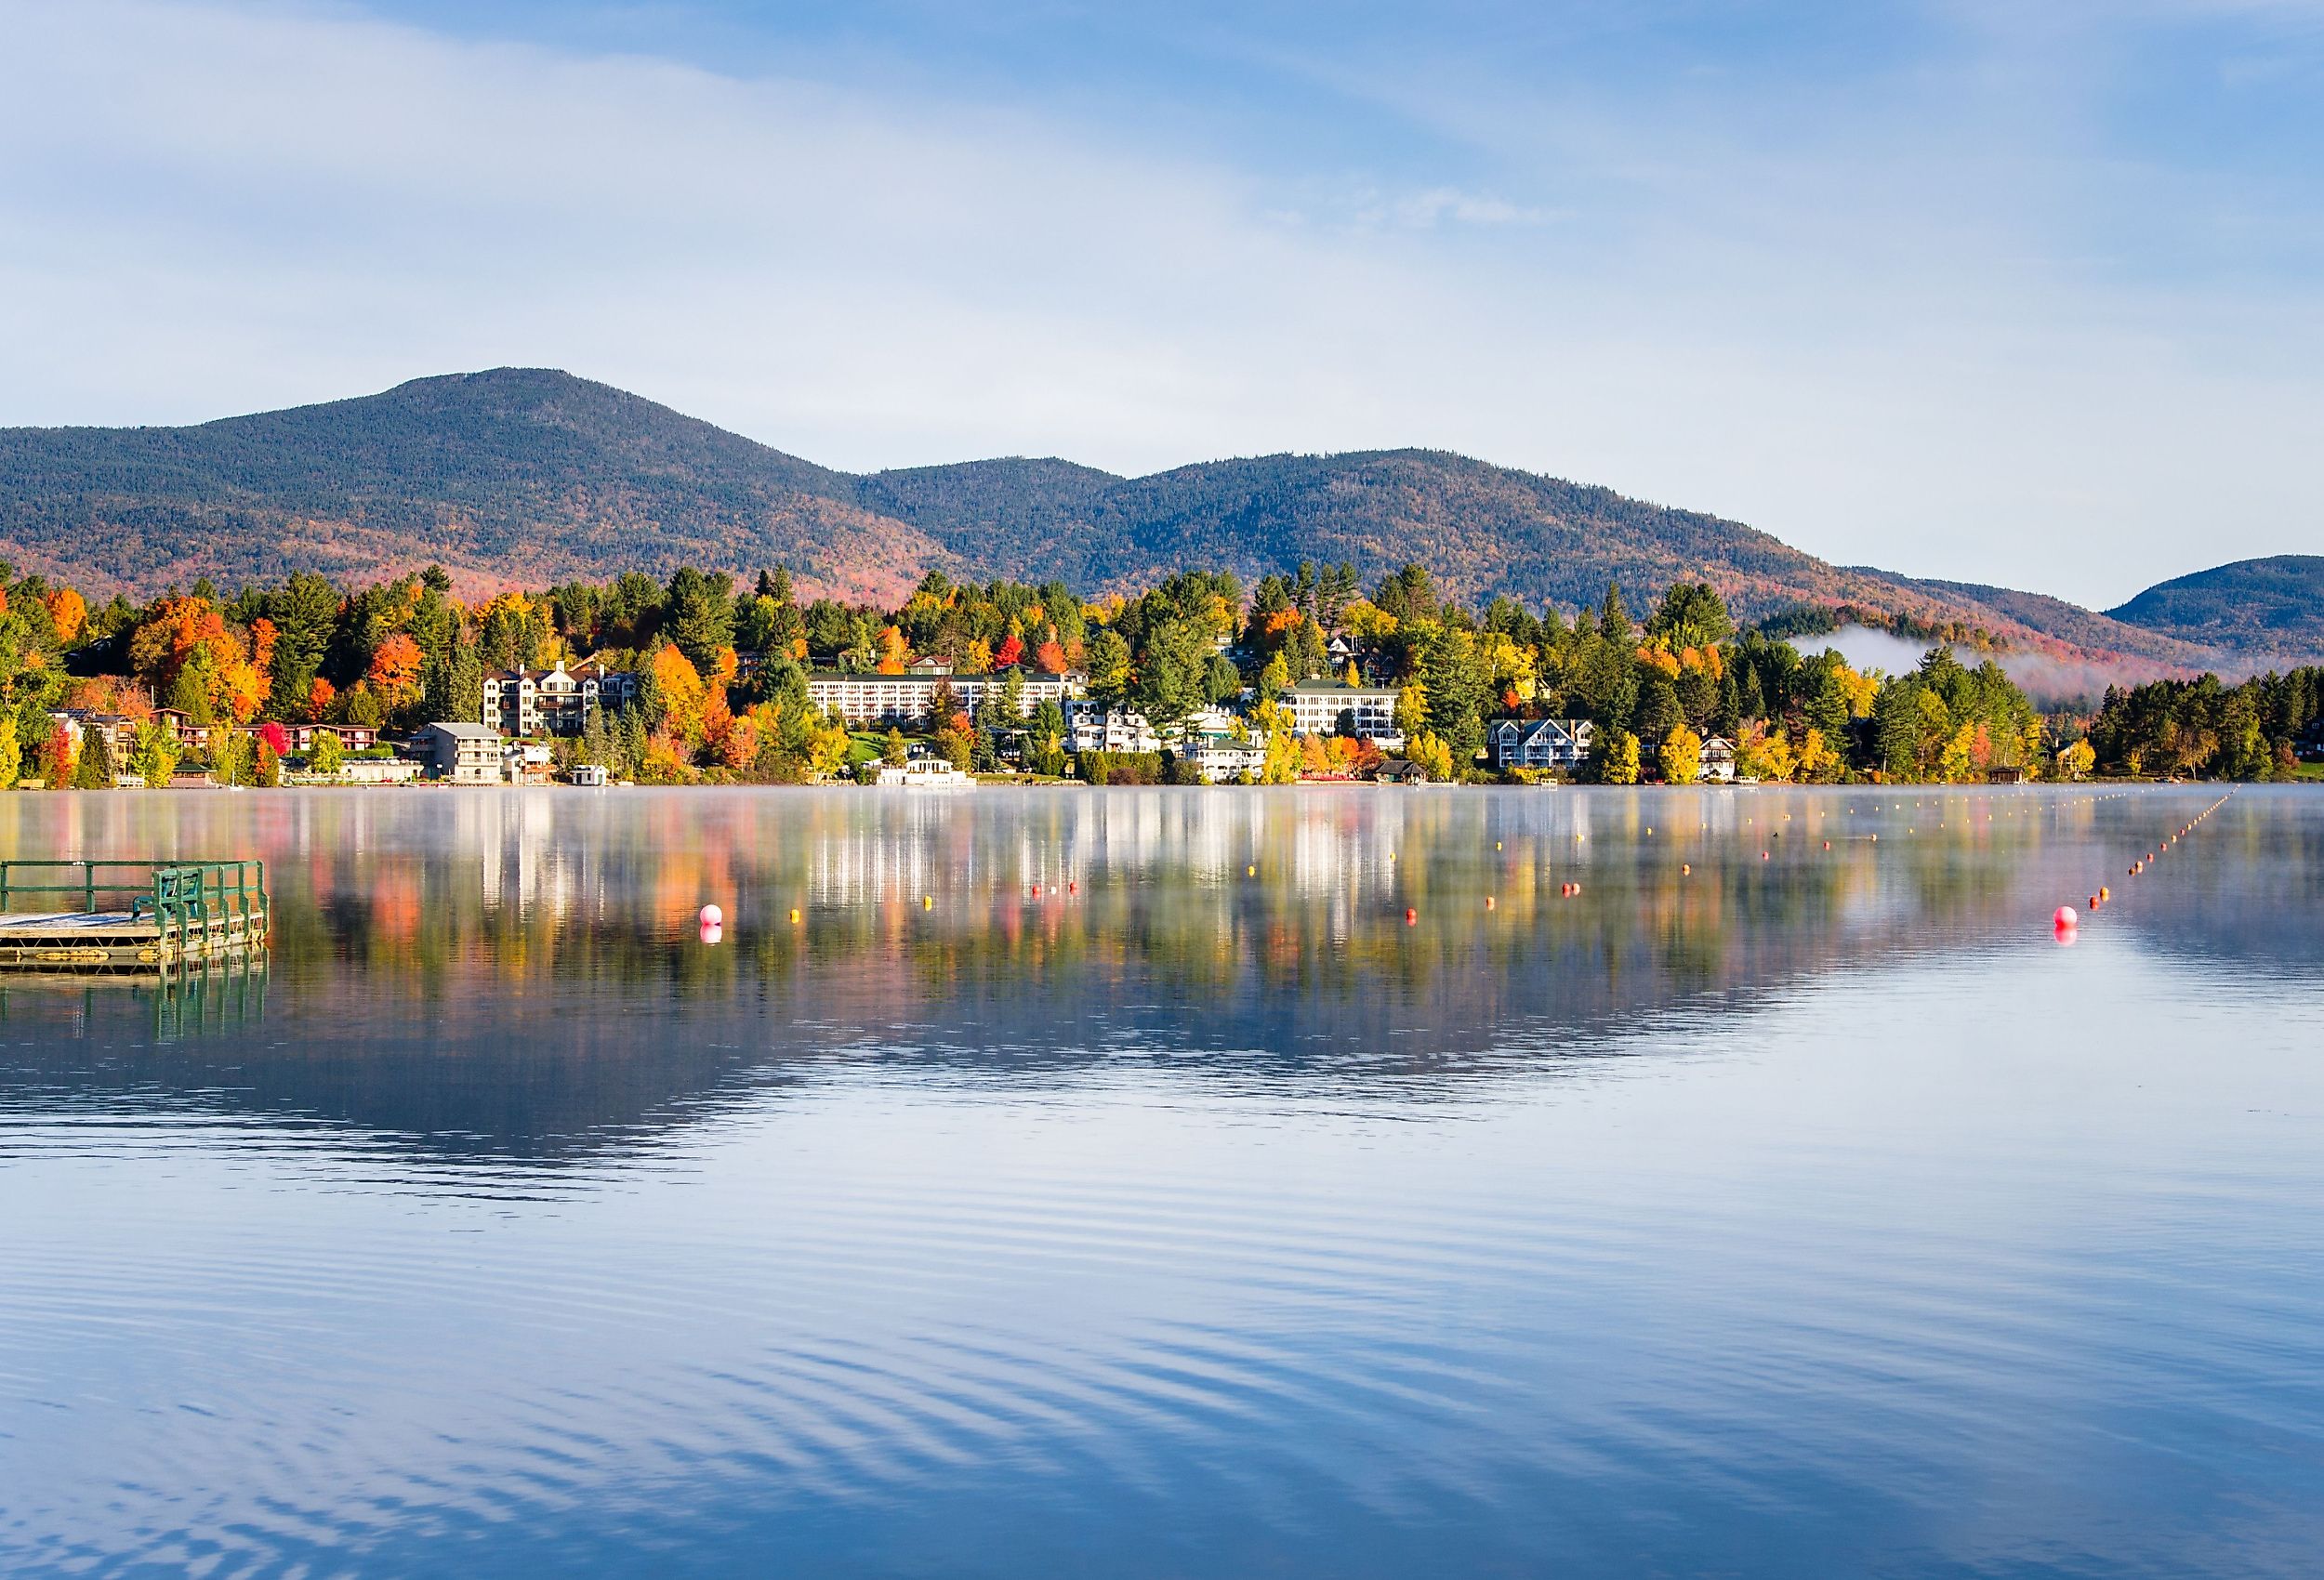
(1117,1183)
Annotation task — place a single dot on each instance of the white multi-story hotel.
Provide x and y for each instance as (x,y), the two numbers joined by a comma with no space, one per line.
(906,698)
(1323,707)
(523,703)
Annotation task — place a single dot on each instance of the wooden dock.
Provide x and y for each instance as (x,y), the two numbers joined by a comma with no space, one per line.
(131,917)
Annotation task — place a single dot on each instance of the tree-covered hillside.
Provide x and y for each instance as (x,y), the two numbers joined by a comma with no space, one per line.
(502,476)
(520,477)
(2272,606)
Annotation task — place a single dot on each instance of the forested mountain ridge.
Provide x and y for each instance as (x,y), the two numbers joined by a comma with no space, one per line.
(525,476)
(502,477)
(2272,605)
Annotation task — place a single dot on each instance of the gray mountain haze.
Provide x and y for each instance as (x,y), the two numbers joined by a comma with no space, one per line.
(527,475)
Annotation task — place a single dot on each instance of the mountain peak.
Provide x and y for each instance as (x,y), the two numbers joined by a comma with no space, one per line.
(515,476)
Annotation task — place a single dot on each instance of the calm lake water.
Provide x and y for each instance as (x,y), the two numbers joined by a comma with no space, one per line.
(1818,1214)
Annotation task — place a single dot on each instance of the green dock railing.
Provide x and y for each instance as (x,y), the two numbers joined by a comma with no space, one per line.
(199,908)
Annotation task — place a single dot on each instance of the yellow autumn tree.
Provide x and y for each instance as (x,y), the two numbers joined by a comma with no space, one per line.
(1620,765)
(1682,755)
(1433,756)
(893,653)
(1817,761)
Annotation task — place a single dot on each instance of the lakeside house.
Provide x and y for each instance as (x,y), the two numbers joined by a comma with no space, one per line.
(462,753)
(1092,726)
(1541,745)
(353,738)
(924,774)
(117,731)
(1223,758)
(1400,771)
(906,698)
(1333,707)
(1718,764)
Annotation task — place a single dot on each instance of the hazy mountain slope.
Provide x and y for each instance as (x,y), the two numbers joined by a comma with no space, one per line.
(2272,606)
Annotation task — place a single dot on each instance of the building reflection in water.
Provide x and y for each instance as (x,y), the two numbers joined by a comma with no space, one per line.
(510,969)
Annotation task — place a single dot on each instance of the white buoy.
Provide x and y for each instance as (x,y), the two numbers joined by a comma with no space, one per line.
(711,917)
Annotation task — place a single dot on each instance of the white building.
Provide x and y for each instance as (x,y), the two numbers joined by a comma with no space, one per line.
(1092,726)
(906,698)
(464,753)
(1541,744)
(925,773)
(1330,707)
(1718,760)
(1220,758)
(525,703)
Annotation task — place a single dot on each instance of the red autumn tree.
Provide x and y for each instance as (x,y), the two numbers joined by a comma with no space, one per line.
(395,667)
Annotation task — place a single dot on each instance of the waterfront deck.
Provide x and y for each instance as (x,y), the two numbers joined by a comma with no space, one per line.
(134,917)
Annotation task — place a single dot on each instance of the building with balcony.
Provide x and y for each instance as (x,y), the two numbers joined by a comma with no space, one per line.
(1333,708)
(525,703)
(863,698)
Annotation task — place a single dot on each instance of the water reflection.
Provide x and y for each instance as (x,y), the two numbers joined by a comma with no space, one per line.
(1812,1214)
(504,972)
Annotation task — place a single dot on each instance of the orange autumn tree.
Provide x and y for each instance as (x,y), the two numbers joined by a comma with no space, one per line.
(394,671)
(190,656)
(893,653)
(321,694)
(683,693)
(67,612)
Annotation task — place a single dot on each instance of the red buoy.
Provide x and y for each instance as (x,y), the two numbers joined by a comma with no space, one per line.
(1411,916)
(2063,916)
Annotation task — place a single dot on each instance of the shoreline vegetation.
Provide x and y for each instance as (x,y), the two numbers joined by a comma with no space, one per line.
(304,682)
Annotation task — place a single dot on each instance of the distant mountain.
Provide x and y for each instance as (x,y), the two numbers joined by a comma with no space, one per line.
(513,476)
(525,476)
(2272,606)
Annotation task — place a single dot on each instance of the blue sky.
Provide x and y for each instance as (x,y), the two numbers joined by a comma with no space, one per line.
(1998,292)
